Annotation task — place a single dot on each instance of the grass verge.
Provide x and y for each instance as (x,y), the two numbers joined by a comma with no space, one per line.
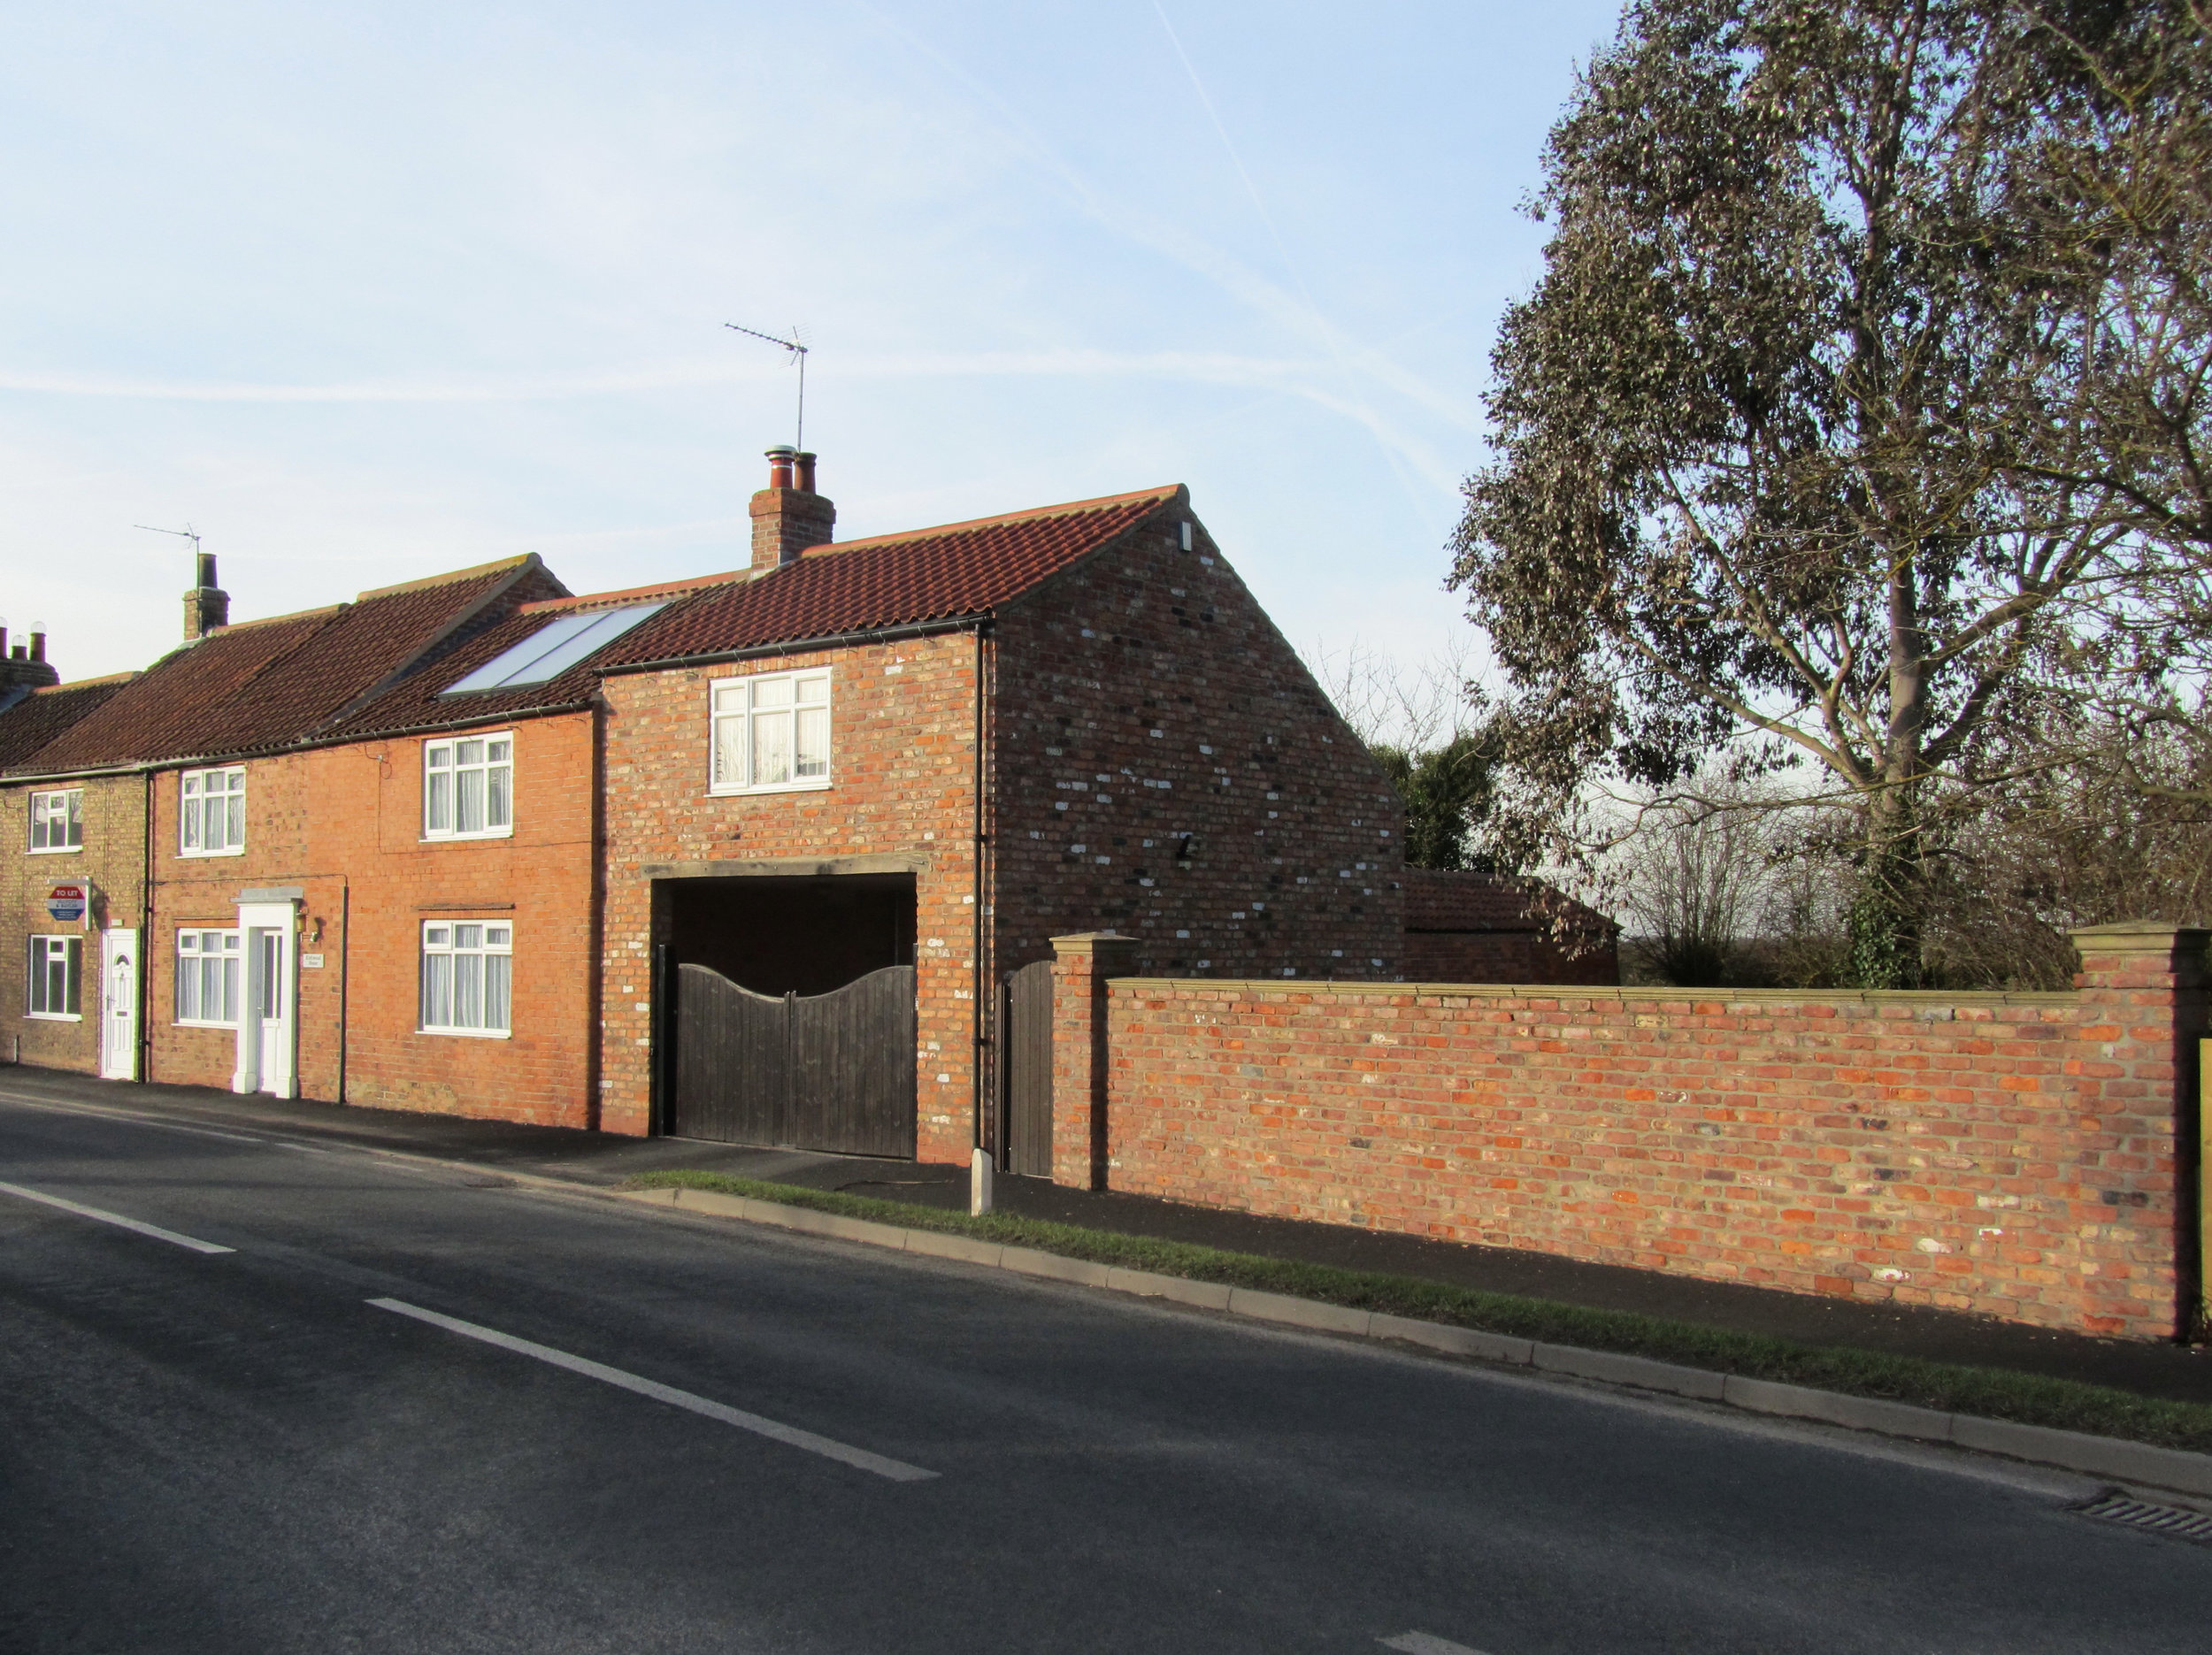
(1991,1392)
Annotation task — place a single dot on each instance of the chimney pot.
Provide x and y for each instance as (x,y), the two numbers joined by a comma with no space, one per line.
(787,520)
(38,643)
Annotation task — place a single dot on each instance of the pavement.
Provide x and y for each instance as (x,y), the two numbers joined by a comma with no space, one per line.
(2178,1372)
(266,1388)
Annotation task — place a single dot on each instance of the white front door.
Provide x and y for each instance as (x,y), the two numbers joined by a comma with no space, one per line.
(118,1006)
(265,1020)
(270,1007)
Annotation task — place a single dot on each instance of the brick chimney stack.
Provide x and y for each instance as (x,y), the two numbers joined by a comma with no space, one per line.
(25,665)
(788,515)
(205,607)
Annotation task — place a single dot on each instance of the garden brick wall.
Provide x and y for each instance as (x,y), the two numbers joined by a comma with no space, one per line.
(2023,1156)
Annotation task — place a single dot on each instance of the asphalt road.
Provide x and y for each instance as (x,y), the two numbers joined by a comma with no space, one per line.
(570,1425)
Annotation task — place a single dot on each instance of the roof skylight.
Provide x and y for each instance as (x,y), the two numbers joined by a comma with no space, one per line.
(555,648)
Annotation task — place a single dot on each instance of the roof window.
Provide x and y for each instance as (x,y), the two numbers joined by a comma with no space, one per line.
(555,648)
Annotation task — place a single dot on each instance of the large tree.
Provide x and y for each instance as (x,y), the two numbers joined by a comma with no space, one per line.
(1828,437)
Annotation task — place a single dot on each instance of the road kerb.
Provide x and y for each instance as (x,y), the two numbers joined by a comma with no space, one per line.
(2139,1464)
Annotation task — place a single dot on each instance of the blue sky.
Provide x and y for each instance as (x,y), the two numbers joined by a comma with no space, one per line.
(366,294)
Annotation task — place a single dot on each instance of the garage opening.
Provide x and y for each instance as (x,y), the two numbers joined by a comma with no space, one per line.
(791,1009)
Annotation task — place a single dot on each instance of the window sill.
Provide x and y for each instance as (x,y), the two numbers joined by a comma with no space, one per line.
(195,1023)
(55,1016)
(195,855)
(55,850)
(472,1034)
(467,838)
(823,786)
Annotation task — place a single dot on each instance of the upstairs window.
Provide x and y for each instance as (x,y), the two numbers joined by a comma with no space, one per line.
(468,787)
(771,732)
(57,820)
(207,977)
(214,813)
(57,985)
(467,977)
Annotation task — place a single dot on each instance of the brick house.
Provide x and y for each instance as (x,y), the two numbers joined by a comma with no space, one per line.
(59,882)
(935,750)
(926,753)
(223,845)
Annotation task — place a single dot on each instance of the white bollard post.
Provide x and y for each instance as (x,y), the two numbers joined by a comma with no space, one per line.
(979,1170)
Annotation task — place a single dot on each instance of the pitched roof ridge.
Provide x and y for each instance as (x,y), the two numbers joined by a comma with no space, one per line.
(473,572)
(86,683)
(596,600)
(263,620)
(1068,510)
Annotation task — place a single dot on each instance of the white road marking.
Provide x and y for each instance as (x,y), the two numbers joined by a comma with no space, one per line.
(897,1470)
(1425,1644)
(155,1230)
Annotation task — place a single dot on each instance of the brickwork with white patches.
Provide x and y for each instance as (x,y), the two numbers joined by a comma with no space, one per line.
(1165,767)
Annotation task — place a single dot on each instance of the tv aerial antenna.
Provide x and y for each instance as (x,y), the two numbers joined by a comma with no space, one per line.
(797,353)
(187,532)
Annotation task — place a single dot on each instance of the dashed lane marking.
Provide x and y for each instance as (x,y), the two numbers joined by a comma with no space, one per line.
(1425,1644)
(117,1219)
(896,1470)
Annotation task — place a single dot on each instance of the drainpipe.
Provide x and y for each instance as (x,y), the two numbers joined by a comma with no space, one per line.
(345,979)
(146,936)
(981,977)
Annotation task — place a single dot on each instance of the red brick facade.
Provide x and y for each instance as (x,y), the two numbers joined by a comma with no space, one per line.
(901,785)
(2014,1155)
(112,863)
(344,825)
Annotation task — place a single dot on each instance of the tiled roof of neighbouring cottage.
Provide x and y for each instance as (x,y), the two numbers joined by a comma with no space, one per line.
(953,572)
(260,686)
(42,715)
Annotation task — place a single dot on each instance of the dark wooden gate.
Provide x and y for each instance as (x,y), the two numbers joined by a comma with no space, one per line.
(830,1071)
(1028,1025)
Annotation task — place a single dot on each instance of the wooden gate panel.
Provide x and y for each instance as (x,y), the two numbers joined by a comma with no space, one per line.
(833,1072)
(852,1067)
(1029,1070)
(733,1061)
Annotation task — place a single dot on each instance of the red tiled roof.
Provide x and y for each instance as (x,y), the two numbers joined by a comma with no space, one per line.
(262,685)
(42,714)
(1438,900)
(946,573)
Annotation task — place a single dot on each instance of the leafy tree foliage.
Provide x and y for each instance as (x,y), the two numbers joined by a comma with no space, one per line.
(1446,791)
(1857,423)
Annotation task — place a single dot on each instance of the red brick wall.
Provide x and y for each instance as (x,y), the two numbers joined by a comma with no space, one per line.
(2010,1155)
(903,765)
(110,862)
(1142,696)
(345,824)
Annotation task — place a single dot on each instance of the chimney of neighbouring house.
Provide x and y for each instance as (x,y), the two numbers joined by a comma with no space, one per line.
(788,515)
(205,607)
(25,664)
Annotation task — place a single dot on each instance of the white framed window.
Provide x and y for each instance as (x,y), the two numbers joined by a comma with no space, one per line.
(57,985)
(771,732)
(208,974)
(213,819)
(467,977)
(468,787)
(57,820)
